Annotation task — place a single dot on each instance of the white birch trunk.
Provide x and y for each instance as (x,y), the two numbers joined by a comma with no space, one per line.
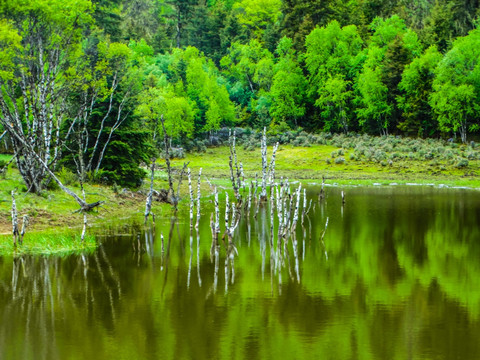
(190,190)
(271,168)
(263,194)
(297,206)
(198,198)
(14,219)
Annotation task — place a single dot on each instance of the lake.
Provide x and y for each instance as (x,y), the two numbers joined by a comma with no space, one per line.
(397,276)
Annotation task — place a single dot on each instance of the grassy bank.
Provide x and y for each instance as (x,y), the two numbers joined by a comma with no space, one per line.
(54,225)
(344,166)
(49,243)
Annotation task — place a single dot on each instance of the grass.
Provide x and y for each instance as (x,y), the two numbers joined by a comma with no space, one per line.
(47,243)
(310,164)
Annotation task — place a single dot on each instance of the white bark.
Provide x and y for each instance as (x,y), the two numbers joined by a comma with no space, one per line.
(15,232)
(114,127)
(234,176)
(24,228)
(297,206)
(190,190)
(227,212)
(271,168)
(263,194)
(198,198)
(148,204)
(217,214)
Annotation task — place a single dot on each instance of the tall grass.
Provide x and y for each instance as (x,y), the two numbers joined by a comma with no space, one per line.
(48,244)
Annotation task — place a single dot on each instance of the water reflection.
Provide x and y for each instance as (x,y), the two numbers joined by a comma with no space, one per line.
(395,275)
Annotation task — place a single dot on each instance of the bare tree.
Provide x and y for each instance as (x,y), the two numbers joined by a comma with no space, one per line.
(37,84)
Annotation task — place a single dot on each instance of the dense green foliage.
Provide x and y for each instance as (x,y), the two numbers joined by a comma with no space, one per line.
(391,67)
(367,66)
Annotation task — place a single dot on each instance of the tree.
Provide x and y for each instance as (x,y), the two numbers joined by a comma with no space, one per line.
(105,78)
(455,98)
(373,110)
(416,88)
(250,69)
(300,18)
(140,20)
(288,87)
(40,44)
(334,99)
(447,20)
(257,15)
(108,17)
(332,58)
(391,47)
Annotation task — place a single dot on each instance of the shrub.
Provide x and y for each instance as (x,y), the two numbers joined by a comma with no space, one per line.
(412,155)
(471,156)
(395,155)
(340,160)
(301,141)
(67,177)
(429,155)
(379,155)
(462,163)
(448,154)
(360,149)
(176,153)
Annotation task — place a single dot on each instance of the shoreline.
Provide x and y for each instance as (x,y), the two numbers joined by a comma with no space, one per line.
(54,209)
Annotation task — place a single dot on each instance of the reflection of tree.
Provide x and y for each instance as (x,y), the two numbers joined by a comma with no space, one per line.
(378,295)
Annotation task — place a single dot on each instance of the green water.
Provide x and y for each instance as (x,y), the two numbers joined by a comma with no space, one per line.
(397,277)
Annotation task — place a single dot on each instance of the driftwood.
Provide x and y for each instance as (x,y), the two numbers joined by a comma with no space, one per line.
(89,207)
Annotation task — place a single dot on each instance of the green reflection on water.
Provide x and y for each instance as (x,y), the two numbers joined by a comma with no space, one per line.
(398,277)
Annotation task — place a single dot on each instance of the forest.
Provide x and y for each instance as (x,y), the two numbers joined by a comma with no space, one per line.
(84,83)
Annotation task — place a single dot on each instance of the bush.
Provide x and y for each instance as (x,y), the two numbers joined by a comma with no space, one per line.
(67,177)
(300,141)
(380,155)
(462,163)
(471,156)
(412,155)
(340,160)
(176,153)
(360,149)
(429,155)
(447,155)
(395,155)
